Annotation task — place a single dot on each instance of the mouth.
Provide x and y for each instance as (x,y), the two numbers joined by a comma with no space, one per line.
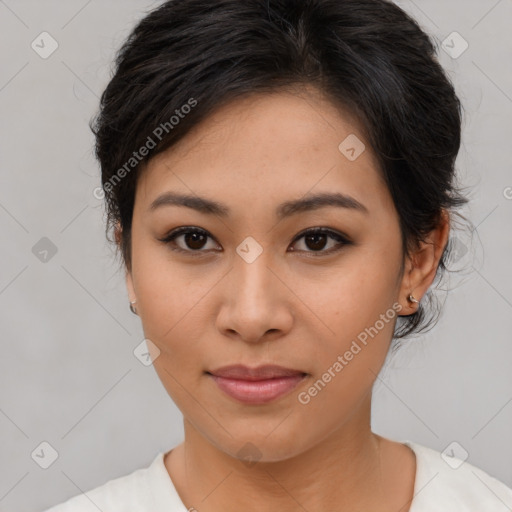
(259,385)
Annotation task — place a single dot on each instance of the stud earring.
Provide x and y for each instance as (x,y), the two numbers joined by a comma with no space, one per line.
(412,299)
(132,309)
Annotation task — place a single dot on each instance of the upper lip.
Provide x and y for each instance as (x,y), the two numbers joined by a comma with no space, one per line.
(268,371)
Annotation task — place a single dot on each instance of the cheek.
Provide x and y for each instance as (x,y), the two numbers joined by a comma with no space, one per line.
(346,366)
(172,301)
(355,316)
(347,299)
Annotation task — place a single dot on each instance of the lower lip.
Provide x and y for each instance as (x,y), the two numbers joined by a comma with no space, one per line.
(257,391)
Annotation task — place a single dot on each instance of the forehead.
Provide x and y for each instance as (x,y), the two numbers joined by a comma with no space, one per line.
(284,143)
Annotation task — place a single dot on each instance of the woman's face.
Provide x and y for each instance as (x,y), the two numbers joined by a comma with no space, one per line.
(253,289)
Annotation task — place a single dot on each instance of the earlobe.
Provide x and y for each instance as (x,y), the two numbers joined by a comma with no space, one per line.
(131,292)
(422,264)
(129,284)
(128,274)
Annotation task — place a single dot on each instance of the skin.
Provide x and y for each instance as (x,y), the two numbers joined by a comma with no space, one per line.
(297,308)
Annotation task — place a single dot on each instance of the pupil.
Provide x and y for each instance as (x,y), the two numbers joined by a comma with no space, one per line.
(318,240)
(196,237)
(314,241)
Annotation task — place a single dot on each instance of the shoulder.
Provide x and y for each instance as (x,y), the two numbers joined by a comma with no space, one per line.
(134,492)
(446,482)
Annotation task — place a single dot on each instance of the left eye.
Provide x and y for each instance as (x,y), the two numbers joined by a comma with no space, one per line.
(316,240)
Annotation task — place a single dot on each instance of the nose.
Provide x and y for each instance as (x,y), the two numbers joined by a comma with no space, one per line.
(256,305)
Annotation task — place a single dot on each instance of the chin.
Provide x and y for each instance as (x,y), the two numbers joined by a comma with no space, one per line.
(263,448)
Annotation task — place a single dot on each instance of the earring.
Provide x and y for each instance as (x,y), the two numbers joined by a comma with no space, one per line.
(132,309)
(412,299)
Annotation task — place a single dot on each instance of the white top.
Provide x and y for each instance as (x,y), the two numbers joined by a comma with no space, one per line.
(442,484)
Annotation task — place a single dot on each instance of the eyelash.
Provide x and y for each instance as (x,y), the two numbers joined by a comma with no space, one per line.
(342,240)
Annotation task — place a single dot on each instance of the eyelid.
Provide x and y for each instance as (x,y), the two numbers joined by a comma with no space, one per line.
(341,238)
(175,233)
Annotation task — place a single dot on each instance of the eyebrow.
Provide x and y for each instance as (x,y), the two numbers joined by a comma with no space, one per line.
(286,209)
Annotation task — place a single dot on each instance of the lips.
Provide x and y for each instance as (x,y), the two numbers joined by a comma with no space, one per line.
(264,372)
(256,385)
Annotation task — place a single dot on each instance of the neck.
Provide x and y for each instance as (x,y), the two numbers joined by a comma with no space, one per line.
(334,474)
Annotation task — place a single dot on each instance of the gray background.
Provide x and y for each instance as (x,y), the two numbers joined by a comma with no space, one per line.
(68,373)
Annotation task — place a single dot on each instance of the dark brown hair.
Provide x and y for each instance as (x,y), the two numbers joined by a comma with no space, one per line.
(187,58)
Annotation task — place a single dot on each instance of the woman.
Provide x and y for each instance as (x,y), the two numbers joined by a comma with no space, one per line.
(279,176)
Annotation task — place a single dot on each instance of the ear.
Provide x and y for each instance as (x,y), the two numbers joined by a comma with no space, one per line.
(128,275)
(129,286)
(117,232)
(421,266)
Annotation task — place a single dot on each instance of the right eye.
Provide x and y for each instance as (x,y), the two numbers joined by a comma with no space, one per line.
(192,240)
